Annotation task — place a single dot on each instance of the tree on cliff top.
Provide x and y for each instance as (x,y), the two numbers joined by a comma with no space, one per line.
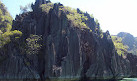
(119,46)
(5,27)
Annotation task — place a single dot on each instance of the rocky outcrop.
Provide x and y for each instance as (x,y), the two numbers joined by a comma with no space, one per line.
(67,52)
(133,59)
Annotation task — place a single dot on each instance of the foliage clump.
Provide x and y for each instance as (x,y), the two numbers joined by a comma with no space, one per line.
(47,7)
(5,19)
(33,44)
(7,36)
(5,27)
(76,18)
(130,41)
(119,46)
(80,19)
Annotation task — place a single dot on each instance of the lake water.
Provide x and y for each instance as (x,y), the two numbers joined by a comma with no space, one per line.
(129,79)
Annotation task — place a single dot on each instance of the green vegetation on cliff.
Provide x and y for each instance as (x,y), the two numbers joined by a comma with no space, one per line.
(5,19)
(130,41)
(6,34)
(76,17)
(119,46)
(33,44)
(72,14)
(60,42)
(47,7)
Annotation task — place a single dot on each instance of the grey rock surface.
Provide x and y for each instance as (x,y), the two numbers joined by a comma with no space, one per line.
(66,52)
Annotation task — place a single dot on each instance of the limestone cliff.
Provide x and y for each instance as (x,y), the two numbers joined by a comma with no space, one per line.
(62,49)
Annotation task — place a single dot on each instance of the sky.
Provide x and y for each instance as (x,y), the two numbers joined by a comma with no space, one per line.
(113,15)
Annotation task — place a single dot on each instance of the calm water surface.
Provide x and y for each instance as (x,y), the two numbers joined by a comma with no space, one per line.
(129,79)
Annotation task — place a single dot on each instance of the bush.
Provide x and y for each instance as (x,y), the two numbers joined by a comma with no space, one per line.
(76,18)
(47,7)
(6,36)
(5,27)
(121,49)
(33,44)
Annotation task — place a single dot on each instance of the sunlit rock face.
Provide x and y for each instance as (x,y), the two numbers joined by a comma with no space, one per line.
(66,52)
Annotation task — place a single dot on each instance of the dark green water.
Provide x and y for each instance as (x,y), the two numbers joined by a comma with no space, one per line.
(129,79)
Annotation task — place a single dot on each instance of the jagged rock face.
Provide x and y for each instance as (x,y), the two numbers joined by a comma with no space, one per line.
(133,58)
(66,52)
